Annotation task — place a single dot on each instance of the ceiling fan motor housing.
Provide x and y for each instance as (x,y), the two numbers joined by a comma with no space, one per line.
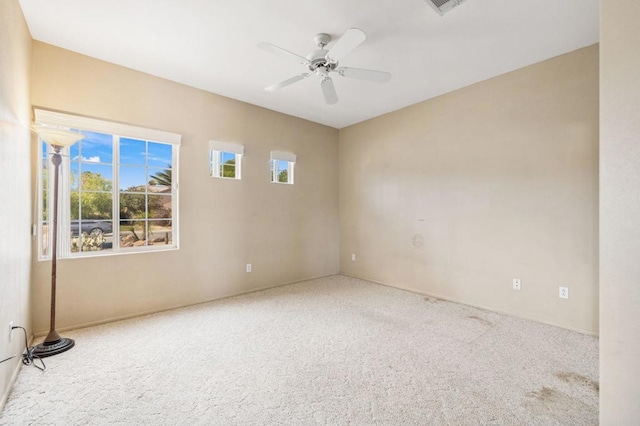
(318,59)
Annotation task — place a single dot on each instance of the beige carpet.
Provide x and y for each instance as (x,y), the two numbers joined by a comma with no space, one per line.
(334,350)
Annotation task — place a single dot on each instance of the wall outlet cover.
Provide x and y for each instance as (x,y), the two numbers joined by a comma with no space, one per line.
(563,293)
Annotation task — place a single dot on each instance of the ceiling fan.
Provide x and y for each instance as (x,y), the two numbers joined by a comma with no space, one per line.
(323,62)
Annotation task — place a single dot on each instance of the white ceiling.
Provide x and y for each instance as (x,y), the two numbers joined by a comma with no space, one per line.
(211,44)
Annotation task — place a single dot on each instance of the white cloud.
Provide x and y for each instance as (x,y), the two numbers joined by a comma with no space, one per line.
(94,159)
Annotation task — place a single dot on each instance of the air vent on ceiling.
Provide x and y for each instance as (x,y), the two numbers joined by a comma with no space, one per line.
(443,6)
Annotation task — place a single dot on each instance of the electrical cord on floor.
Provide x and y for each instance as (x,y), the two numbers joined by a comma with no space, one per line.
(28,358)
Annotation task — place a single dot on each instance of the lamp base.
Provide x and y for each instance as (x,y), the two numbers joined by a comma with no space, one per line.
(56,347)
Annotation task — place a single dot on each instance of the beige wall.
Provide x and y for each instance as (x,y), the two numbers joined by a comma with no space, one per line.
(15,243)
(456,196)
(620,213)
(288,233)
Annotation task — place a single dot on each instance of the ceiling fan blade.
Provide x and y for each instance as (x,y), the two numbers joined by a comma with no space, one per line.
(286,82)
(362,74)
(272,48)
(345,44)
(329,91)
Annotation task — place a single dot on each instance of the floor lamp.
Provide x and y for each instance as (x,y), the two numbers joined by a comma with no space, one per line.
(57,138)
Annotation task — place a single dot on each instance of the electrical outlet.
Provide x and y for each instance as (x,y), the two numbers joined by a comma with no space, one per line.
(353,257)
(517,285)
(248,267)
(564,293)
(10,329)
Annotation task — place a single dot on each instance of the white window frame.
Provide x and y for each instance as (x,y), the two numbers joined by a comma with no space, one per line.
(216,150)
(117,130)
(290,158)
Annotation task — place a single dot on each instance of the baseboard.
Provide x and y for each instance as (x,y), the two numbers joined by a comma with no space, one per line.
(155,311)
(486,308)
(12,380)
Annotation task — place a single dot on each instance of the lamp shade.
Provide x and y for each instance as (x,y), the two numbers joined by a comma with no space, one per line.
(55,136)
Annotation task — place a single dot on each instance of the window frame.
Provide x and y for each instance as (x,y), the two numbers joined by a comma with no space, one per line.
(290,158)
(117,131)
(215,163)
(217,149)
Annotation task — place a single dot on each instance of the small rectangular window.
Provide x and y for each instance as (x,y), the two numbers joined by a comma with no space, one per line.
(225,164)
(282,167)
(225,160)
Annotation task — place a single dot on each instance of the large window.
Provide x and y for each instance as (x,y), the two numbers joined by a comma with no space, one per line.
(117,189)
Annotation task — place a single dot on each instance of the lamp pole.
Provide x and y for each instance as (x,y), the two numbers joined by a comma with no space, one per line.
(54,344)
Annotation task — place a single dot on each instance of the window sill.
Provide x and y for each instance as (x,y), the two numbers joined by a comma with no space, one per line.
(89,254)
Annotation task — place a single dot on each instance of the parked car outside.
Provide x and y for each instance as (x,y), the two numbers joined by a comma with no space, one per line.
(91,227)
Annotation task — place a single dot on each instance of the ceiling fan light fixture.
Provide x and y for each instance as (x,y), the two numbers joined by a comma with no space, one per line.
(443,6)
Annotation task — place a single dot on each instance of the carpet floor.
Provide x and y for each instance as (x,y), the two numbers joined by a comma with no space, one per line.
(334,350)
